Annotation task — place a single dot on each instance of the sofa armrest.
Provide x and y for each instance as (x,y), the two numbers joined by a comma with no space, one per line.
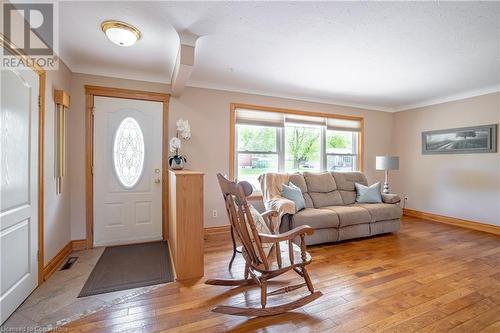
(281,205)
(269,214)
(390,198)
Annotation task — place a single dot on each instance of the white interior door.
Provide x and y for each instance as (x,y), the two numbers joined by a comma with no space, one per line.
(19,188)
(127,171)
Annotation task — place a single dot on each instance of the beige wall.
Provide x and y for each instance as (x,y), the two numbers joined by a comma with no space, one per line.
(466,186)
(208,150)
(57,227)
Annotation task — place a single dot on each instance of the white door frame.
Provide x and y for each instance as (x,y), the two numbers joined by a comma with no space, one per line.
(8,45)
(90,93)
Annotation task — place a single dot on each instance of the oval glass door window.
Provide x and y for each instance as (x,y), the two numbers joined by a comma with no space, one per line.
(128,152)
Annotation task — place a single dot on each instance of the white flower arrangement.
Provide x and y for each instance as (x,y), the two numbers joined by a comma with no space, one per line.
(183,129)
(175,144)
(183,132)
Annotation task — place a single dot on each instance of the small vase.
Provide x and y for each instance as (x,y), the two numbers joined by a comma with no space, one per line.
(176,162)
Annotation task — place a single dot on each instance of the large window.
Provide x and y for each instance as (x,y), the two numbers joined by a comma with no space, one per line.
(267,141)
(257,149)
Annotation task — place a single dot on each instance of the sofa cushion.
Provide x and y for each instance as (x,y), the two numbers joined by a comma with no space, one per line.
(350,215)
(348,197)
(345,180)
(326,199)
(298,180)
(345,184)
(316,218)
(320,182)
(383,227)
(308,200)
(354,231)
(382,211)
(320,236)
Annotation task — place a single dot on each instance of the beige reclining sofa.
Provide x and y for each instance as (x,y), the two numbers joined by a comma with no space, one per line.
(331,207)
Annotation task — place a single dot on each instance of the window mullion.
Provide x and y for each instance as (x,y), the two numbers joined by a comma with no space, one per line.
(322,148)
(280,137)
(355,141)
(355,149)
(236,157)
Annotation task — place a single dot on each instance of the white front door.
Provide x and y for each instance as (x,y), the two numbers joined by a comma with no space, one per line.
(127,171)
(19,188)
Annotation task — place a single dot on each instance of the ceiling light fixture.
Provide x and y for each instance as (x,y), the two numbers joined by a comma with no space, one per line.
(121,33)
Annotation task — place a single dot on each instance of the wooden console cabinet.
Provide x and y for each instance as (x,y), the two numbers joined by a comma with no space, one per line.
(186,222)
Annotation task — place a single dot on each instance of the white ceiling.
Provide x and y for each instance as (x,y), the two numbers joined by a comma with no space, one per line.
(384,55)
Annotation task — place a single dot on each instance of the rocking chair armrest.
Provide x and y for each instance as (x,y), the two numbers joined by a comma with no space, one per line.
(302,230)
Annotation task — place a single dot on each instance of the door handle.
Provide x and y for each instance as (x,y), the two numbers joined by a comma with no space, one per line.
(157,180)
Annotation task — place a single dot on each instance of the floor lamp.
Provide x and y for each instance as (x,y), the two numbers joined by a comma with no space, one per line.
(387,163)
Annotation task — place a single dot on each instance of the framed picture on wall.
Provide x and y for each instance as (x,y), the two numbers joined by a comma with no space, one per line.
(465,140)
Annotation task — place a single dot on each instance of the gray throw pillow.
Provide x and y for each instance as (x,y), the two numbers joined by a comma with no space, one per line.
(368,194)
(292,192)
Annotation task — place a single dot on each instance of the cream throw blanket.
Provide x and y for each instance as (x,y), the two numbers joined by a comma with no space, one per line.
(271,184)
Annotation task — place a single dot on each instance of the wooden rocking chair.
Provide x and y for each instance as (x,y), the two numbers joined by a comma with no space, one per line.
(284,255)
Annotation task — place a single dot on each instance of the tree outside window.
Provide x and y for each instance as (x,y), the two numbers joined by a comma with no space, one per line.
(302,148)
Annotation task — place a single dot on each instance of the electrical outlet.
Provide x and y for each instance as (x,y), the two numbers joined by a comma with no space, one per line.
(214,213)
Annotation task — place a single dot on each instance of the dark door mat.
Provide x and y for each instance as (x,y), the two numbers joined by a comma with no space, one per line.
(129,266)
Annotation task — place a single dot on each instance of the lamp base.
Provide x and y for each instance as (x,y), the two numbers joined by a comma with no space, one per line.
(386,183)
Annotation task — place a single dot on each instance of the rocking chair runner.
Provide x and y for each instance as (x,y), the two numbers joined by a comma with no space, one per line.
(284,255)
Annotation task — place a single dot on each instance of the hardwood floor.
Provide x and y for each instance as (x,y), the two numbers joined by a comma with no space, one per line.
(429,277)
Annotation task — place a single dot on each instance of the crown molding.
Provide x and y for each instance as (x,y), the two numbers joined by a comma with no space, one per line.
(130,77)
(368,107)
(450,98)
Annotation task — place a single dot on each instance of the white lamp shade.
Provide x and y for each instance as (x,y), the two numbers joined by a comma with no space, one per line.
(387,163)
